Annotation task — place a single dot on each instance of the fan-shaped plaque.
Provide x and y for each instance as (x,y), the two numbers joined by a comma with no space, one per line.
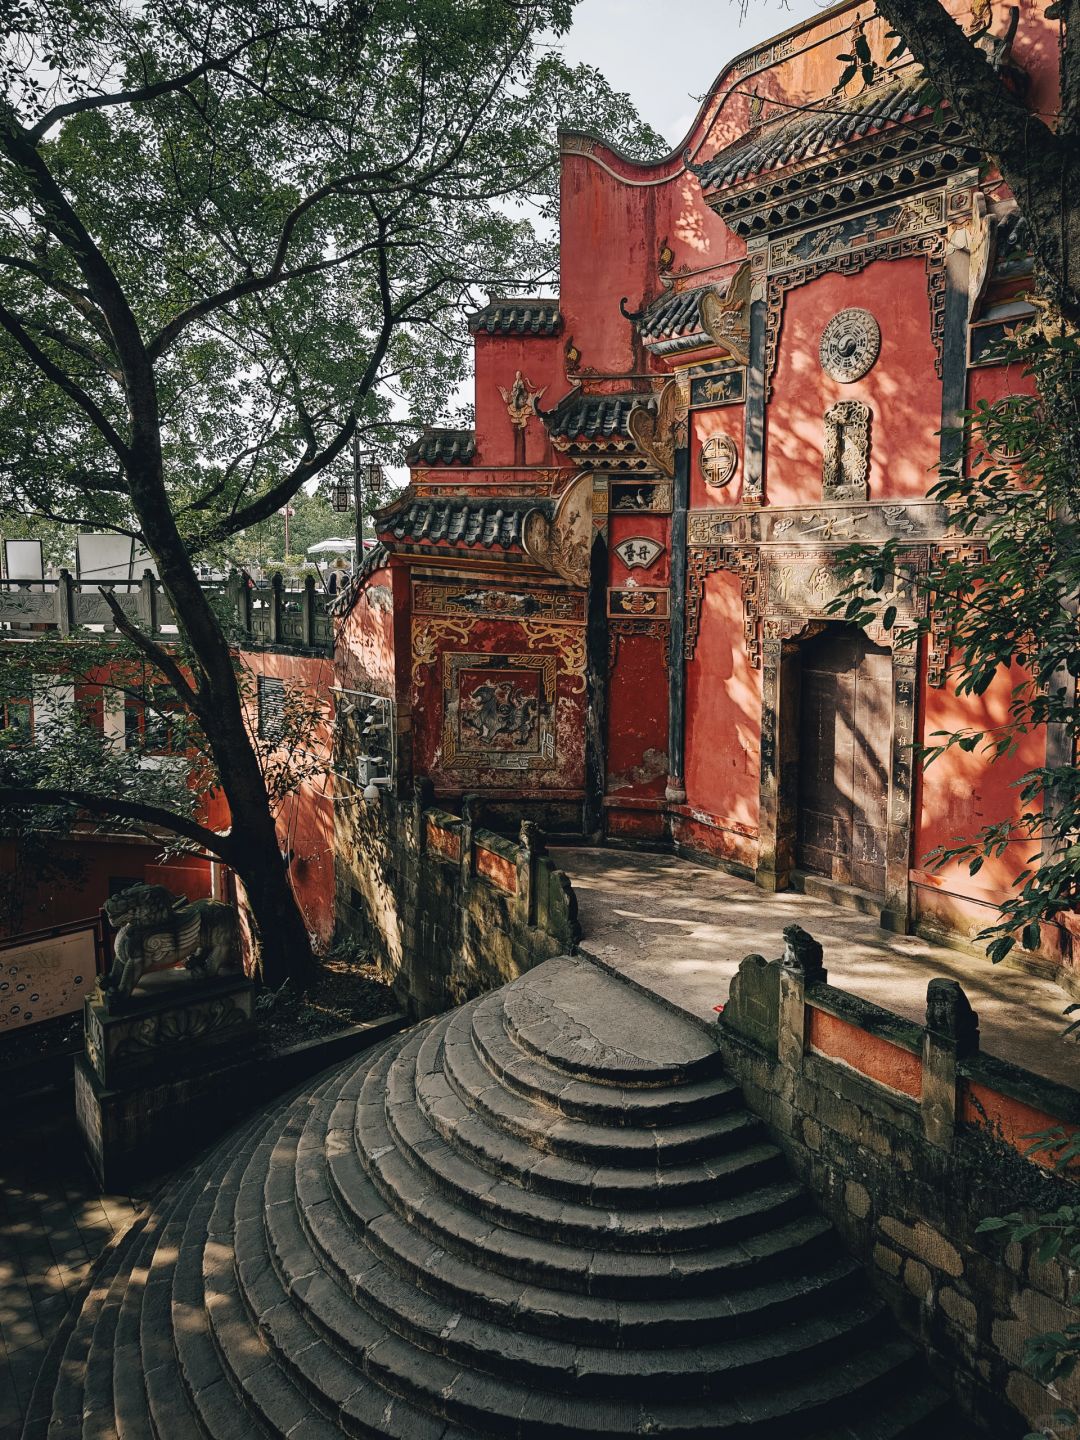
(850,344)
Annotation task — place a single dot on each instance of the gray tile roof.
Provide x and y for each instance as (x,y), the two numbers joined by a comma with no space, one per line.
(592,417)
(806,133)
(673,314)
(459,520)
(517,315)
(442,447)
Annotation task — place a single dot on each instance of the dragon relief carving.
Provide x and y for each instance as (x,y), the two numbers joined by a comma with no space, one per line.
(659,432)
(726,319)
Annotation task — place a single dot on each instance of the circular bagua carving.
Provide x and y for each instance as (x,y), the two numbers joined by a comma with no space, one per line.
(850,344)
(718,460)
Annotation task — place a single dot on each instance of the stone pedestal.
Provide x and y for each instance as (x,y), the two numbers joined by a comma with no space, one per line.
(156,1070)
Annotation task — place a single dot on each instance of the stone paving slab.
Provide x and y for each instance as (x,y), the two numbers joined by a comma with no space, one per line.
(53,1225)
(680,929)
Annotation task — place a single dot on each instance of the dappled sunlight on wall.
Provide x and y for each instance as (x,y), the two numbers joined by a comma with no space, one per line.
(902,388)
(723,732)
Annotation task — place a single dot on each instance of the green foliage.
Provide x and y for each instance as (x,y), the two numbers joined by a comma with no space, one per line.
(297,226)
(1051,1355)
(1005,591)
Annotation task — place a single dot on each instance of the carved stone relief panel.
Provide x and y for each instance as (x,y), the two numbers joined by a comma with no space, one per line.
(845,471)
(850,344)
(719,457)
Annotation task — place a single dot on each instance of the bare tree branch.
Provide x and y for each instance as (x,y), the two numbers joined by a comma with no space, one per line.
(26,798)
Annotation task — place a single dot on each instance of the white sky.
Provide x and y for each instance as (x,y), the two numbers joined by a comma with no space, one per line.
(665,55)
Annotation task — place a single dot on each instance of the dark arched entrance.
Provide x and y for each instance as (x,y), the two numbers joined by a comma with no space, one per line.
(845,736)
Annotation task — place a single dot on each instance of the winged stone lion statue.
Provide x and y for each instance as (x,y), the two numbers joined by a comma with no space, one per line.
(157,930)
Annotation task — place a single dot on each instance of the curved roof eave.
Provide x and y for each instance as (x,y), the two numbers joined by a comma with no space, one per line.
(675,157)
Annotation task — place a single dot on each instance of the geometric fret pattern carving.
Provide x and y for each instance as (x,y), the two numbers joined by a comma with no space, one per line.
(850,262)
(846,451)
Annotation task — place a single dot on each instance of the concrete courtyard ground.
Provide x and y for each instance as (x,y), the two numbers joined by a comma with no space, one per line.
(680,929)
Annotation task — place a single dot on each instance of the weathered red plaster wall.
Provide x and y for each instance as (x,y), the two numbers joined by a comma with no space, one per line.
(726,420)
(959,793)
(498,358)
(723,722)
(870,1055)
(1011,1119)
(81,895)
(902,389)
(364,657)
(305,817)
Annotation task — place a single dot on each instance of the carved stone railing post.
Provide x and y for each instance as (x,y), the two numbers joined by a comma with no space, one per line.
(65,603)
(147,602)
(952,1032)
(307,611)
(531,848)
(276,607)
(470,819)
(800,968)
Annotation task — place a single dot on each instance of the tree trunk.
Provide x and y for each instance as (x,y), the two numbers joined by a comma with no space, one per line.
(283,940)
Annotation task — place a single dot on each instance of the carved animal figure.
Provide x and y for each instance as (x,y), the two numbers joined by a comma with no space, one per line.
(160,931)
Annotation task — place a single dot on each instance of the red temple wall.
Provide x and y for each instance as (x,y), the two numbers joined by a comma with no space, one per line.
(100,863)
(725,420)
(902,389)
(959,793)
(498,359)
(365,655)
(723,726)
(305,817)
(432,679)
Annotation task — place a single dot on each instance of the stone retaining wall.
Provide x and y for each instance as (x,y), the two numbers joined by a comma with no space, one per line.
(909,1136)
(451,909)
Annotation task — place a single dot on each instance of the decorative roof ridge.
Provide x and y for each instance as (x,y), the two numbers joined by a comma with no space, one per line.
(866,116)
(680,151)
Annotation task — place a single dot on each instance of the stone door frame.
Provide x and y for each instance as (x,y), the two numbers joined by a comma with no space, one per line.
(778,766)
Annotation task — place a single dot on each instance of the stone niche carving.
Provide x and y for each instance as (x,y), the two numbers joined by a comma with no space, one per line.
(850,343)
(719,458)
(846,452)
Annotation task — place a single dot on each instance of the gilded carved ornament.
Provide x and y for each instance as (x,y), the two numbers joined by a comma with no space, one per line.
(658,432)
(726,320)
(521,401)
(563,543)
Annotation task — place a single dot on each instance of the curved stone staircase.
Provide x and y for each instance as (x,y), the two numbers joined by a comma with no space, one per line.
(546,1214)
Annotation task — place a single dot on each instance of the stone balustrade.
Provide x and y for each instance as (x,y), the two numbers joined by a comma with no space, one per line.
(263,615)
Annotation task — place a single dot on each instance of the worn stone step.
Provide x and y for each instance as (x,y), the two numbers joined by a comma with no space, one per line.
(436,1224)
(263,1385)
(326,1362)
(567,1292)
(573,1137)
(66,1371)
(420,1105)
(591,1026)
(629,1106)
(438,1165)
(553,1338)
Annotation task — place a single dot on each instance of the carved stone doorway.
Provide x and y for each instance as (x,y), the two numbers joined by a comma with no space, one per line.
(804,740)
(845,730)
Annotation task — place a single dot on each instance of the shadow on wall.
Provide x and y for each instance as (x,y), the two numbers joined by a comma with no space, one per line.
(450,909)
